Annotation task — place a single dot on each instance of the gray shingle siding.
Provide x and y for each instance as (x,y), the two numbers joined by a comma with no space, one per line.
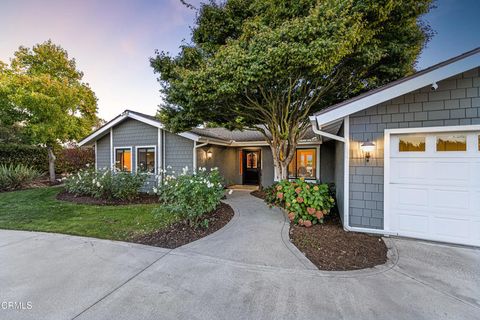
(455,102)
(103,152)
(224,158)
(133,133)
(178,152)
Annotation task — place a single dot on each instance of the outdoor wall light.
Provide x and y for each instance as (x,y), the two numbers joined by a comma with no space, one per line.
(209,154)
(367,147)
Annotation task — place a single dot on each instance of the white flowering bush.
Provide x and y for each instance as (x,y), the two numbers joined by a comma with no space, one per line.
(105,184)
(190,196)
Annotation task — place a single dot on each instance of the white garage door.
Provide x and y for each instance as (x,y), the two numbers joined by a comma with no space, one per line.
(434,186)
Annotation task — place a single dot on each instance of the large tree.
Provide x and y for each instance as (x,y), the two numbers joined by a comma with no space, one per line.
(267,65)
(42,93)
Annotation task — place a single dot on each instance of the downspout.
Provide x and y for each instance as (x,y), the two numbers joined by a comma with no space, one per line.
(195,147)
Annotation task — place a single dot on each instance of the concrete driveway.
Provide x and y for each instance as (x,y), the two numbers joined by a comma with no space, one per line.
(247,270)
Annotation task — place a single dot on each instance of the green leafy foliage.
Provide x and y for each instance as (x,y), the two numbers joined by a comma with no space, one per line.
(13,177)
(43,90)
(267,65)
(306,203)
(28,155)
(190,196)
(105,184)
(72,159)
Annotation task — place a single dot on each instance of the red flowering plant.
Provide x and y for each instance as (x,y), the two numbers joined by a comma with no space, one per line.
(306,203)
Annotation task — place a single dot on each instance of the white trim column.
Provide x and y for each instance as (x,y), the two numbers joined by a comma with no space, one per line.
(112,155)
(346,169)
(96,158)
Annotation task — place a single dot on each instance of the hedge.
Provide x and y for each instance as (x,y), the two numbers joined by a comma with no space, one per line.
(69,160)
(31,156)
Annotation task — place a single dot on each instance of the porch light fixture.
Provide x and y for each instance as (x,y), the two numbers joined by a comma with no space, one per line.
(367,147)
(209,154)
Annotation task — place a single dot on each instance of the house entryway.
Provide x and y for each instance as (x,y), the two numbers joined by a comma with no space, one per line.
(251,167)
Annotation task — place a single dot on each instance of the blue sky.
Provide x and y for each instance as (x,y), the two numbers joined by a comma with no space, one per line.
(112,40)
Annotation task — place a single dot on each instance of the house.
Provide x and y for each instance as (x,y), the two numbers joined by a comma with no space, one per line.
(405,157)
(138,142)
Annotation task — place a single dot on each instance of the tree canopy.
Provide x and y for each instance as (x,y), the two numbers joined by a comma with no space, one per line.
(274,62)
(42,94)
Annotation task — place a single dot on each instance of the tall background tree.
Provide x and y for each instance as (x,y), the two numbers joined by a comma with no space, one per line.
(266,65)
(42,96)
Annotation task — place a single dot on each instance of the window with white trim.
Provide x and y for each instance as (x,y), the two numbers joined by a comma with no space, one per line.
(123,159)
(146,160)
(304,164)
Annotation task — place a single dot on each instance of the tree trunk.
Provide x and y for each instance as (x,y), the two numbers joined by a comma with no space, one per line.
(51,163)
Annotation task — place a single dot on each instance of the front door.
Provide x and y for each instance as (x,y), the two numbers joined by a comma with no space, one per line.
(251,167)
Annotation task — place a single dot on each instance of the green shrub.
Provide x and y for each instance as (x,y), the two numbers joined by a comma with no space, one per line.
(105,184)
(191,196)
(13,177)
(31,156)
(72,159)
(306,203)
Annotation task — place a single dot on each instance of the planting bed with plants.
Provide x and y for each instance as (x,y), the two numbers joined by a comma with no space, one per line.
(110,206)
(195,199)
(317,231)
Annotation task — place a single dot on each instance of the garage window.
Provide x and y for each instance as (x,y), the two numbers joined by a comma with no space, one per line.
(452,143)
(411,144)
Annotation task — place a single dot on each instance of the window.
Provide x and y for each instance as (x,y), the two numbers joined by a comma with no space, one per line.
(452,143)
(146,160)
(123,159)
(304,164)
(411,144)
(252,161)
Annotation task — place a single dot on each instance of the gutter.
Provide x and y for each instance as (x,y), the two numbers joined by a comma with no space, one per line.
(317,130)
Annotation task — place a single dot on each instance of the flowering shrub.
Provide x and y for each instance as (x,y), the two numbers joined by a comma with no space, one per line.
(306,203)
(191,195)
(105,184)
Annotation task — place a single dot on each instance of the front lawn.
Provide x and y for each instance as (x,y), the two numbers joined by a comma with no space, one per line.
(38,210)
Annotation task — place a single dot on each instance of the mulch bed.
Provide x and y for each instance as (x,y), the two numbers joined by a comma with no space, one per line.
(180,233)
(331,248)
(142,199)
(258,193)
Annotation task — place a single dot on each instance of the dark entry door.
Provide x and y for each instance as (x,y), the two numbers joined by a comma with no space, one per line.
(251,167)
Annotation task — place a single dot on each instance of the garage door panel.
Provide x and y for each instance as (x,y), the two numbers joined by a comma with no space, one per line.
(446,227)
(406,197)
(435,195)
(411,223)
(450,199)
(451,171)
(409,171)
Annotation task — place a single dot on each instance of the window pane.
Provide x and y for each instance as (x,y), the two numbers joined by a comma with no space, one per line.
(411,144)
(146,160)
(452,143)
(252,161)
(306,163)
(123,160)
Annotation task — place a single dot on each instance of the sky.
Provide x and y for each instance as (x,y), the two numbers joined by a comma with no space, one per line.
(112,40)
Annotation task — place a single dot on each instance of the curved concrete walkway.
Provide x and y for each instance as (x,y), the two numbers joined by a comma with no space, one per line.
(244,271)
(256,235)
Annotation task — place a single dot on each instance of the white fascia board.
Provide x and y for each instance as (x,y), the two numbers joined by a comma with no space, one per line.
(101,131)
(400,89)
(151,122)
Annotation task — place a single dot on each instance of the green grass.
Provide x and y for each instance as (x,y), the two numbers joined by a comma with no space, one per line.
(38,210)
